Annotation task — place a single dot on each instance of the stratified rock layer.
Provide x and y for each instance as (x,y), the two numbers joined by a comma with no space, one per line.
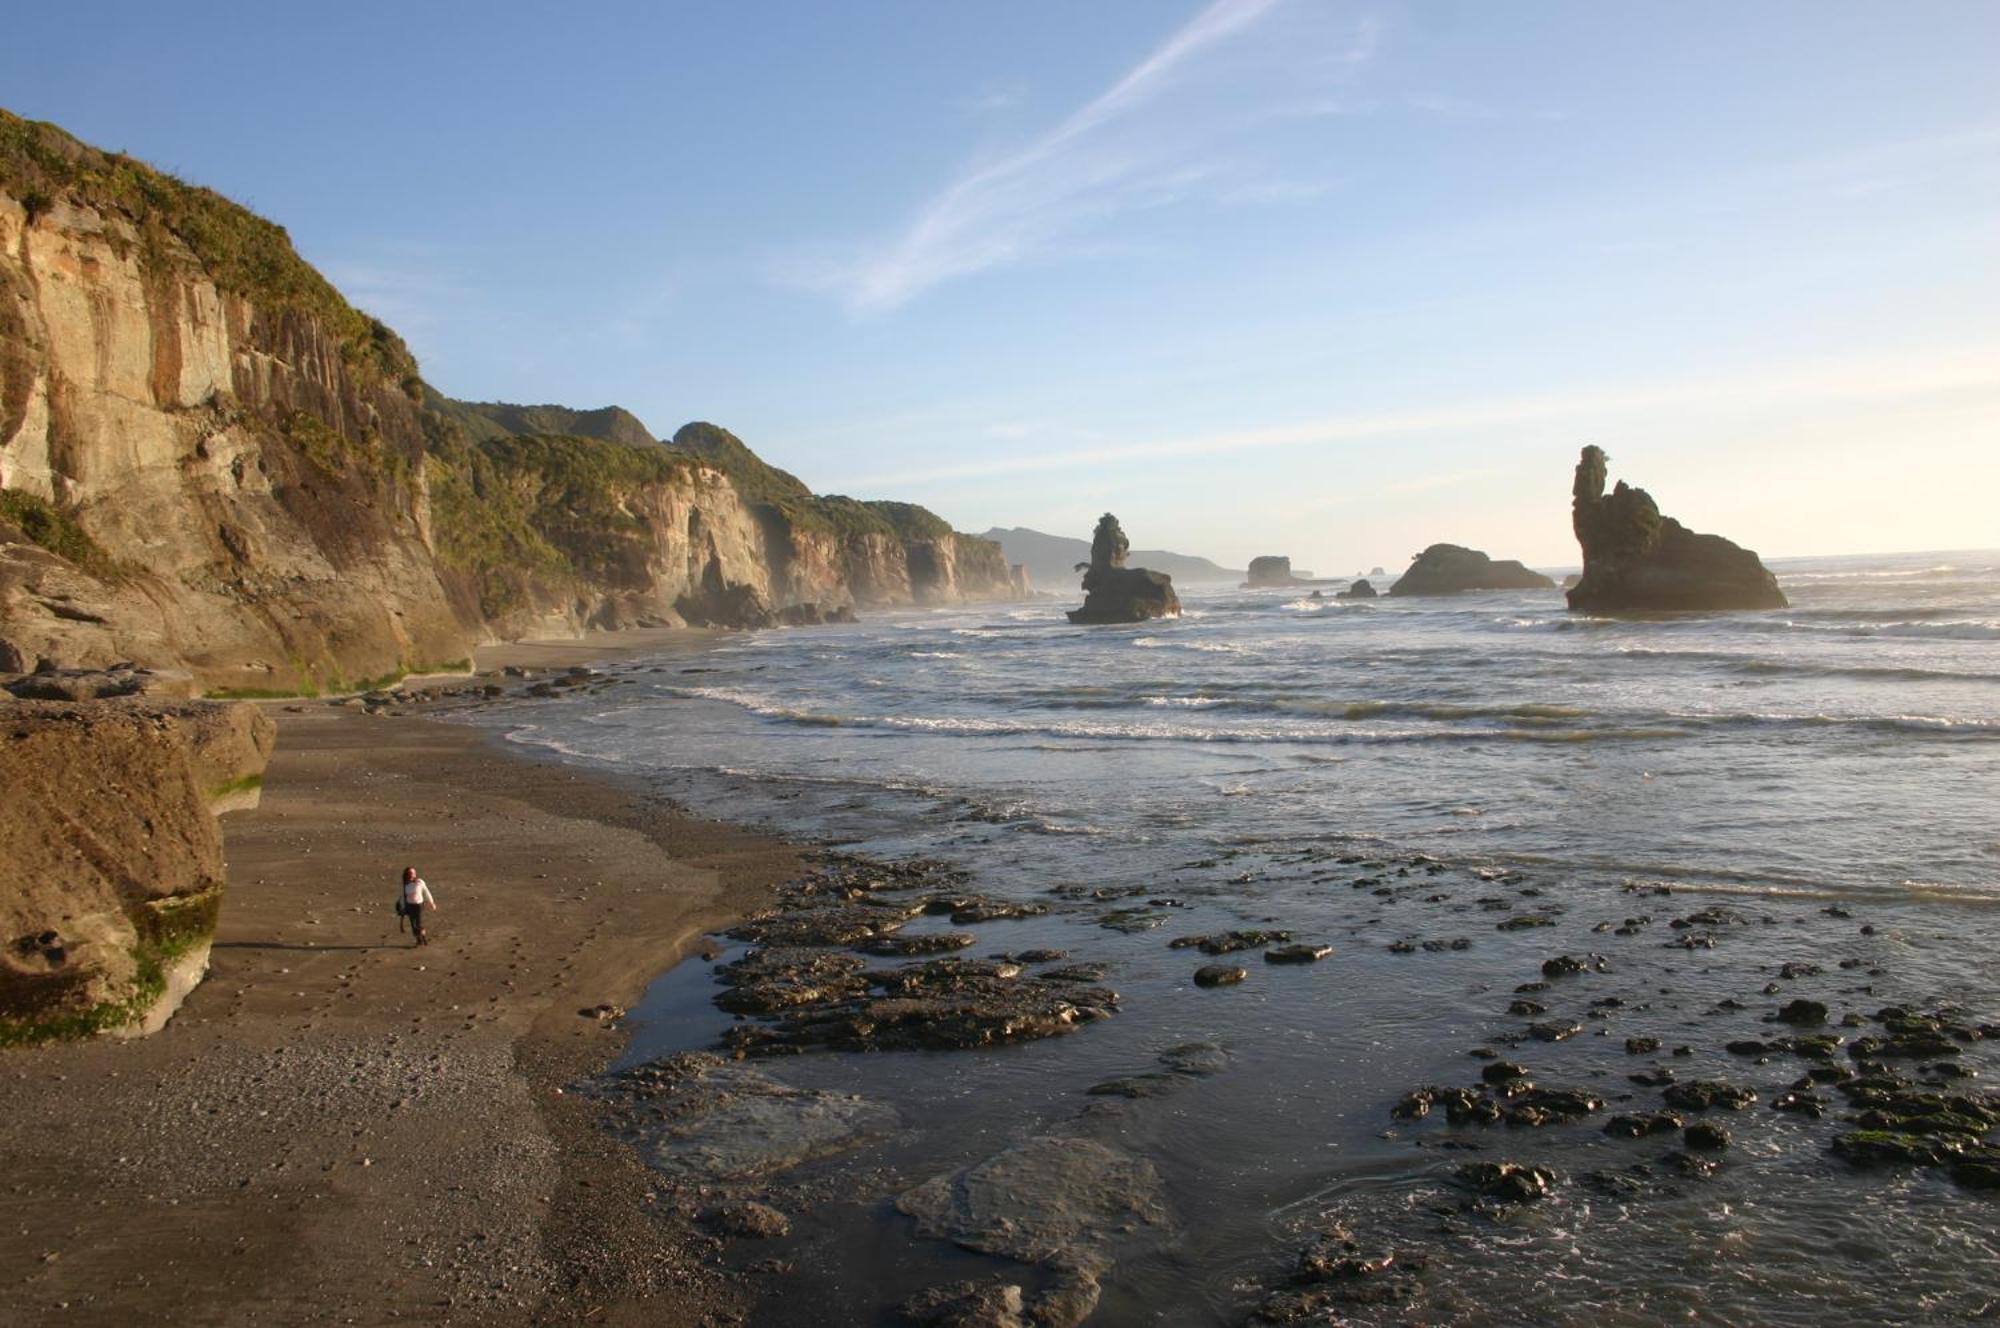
(1636,559)
(110,858)
(1115,593)
(1447,569)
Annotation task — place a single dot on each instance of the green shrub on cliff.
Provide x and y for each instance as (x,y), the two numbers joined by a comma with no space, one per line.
(182,225)
(54,530)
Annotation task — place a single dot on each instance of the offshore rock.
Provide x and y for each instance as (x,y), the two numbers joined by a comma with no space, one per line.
(1447,569)
(1634,558)
(1115,593)
(1271,570)
(1362,588)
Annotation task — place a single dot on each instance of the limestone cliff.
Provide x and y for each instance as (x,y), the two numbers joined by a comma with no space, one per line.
(209,460)
(1636,559)
(111,882)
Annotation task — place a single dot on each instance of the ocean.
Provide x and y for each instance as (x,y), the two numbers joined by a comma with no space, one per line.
(1817,786)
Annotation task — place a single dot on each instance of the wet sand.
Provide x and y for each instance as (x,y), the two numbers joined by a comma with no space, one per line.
(339,1127)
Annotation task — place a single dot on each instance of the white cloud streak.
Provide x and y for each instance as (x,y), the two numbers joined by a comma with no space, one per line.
(1128,147)
(1848,380)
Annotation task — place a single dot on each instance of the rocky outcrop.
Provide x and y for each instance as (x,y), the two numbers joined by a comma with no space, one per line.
(1270,570)
(111,866)
(1636,559)
(1447,569)
(210,461)
(1362,588)
(1115,593)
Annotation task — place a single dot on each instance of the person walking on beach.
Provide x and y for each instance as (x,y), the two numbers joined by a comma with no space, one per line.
(416,898)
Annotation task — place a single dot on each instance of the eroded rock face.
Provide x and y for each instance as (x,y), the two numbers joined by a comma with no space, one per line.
(1636,559)
(1056,1201)
(1115,593)
(1448,569)
(111,869)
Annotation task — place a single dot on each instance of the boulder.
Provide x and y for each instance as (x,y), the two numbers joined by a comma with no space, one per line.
(1115,593)
(1362,588)
(1636,559)
(111,869)
(1447,569)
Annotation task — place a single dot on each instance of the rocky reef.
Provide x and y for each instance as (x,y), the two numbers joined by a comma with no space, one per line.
(211,461)
(1115,593)
(1636,559)
(111,866)
(1362,588)
(1447,569)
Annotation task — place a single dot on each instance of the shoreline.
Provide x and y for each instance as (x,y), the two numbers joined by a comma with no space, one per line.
(338,1126)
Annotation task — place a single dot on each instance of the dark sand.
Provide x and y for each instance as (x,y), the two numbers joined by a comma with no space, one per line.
(341,1128)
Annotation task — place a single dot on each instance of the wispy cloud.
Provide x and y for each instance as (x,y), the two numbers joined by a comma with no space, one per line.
(1843,380)
(1148,139)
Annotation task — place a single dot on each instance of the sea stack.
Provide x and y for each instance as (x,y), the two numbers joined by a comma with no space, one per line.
(1447,569)
(1270,570)
(1636,559)
(1362,588)
(1115,593)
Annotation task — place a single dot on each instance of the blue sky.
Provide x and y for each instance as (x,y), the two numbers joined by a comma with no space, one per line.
(1262,276)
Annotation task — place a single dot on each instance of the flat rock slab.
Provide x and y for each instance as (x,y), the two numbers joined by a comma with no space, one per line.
(704,1119)
(1056,1201)
(1297,954)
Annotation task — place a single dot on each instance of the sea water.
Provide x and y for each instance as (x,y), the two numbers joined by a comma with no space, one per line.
(1373,774)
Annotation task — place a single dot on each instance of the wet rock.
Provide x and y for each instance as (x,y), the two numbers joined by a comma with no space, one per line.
(1691,1164)
(1056,1201)
(1563,966)
(1137,1085)
(1507,1182)
(1229,942)
(1336,1273)
(970,910)
(1752,1047)
(1559,1103)
(1555,1030)
(1639,1126)
(924,943)
(1800,1104)
(941,1004)
(1500,1072)
(1641,1046)
(1525,1008)
(1037,956)
(767,981)
(965,1305)
(698,1118)
(1706,1135)
(1879,1147)
(1524,921)
(1657,1077)
(1814,1047)
(1798,969)
(1297,954)
(1076,973)
(1414,1105)
(746,1219)
(1219,975)
(1199,1059)
(1802,1013)
(837,924)
(1701,1094)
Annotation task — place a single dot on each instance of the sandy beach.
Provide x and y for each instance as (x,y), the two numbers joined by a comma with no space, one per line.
(339,1127)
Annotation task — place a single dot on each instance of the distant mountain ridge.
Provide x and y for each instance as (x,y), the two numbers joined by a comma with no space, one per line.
(487,420)
(1051,559)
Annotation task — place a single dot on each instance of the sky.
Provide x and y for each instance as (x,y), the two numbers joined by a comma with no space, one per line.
(1334,280)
